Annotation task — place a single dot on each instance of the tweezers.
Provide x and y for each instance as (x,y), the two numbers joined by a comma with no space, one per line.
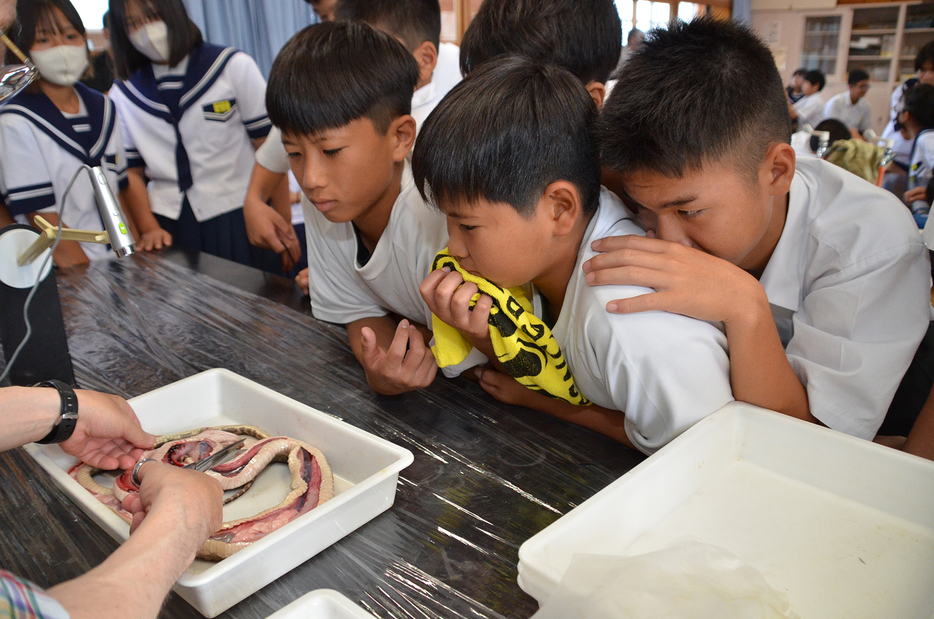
(214,459)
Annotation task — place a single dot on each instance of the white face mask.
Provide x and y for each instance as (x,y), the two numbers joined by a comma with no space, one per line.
(152,40)
(63,65)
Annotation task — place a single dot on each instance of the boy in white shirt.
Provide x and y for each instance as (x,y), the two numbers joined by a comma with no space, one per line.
(347,129)
(917,126)
(417,25)
(820,278)
(809,109)
(850,107)
(508,156)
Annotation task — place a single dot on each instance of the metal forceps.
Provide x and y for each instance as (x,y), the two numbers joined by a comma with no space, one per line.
(214,459)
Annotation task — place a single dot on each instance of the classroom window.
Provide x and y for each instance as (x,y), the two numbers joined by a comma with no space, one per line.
(688,11)
(625,10)
(652,14)
(91,12)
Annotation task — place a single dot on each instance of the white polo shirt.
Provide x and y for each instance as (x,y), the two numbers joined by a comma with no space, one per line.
(849,283)
(223,108)
(665,371)
(854,115)
(343,291)
(810,110)
(447,75)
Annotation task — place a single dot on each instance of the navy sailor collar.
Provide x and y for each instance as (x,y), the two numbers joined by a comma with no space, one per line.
(89,147)
(205,64)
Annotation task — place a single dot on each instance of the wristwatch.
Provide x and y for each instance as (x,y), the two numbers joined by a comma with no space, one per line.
(65,426)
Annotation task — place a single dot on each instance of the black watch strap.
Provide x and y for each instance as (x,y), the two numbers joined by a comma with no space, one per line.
(62,430)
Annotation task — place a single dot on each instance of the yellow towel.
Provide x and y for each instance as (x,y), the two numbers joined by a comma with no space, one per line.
(522,342)
(859,157)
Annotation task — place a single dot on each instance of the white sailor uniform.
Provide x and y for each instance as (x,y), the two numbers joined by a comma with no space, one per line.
(41,149)
(190,127)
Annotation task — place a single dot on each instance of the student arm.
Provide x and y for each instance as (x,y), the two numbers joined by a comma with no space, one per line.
(68,253)
(394,356)
(152,236)
(174,513)
(271,228)
(921,439)
(5,218)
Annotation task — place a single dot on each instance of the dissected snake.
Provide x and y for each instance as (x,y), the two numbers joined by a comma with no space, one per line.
(311,480)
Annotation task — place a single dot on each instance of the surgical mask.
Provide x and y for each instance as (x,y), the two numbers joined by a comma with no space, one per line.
(63,65)
(152,40)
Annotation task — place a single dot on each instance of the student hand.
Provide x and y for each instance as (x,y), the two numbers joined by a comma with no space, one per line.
(154,239)
(448,297)
(687,281)
(193,499)
(506,389)
(302,280)
(267,229)
(108,434)
(918,193)
(406,365)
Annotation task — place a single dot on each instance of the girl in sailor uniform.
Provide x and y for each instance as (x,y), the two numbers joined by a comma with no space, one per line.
(189,111)
(53,127)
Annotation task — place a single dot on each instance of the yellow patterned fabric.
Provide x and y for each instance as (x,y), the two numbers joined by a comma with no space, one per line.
(522,342)
(859,157)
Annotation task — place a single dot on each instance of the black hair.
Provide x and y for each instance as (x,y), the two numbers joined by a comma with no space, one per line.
(919,102)
(105,20)
(925,54)
(332,73)
(184,35)
(583,36)
(800,72)
(696,93)
(413,21)
(35,15)
(505,133)
(817,78)
(836,128)
(856,76)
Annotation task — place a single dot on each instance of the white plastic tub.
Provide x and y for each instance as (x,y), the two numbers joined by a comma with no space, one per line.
(365,469)
(843,526)
(321,604)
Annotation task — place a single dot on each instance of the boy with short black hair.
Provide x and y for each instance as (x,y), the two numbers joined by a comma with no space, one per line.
(917,125)
(820,278)
(583,36)
(508,156)
(371,239)
(851,106)
(809,109)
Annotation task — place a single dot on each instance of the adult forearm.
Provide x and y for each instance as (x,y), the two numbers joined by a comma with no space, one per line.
(27,415)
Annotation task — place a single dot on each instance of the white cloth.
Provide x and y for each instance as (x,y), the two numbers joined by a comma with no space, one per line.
(902,147)
(849,283)
(801,142)
(271,154)
(664,371)
(218,144)
(855,116)
(922,160)
(342,291)
(810,110)
(447,75)
(35,167)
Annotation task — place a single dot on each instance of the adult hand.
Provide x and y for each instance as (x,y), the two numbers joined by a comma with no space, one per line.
(154,239)
(108,434)
(448,297)
(193,500)
(686,280)
(406,365)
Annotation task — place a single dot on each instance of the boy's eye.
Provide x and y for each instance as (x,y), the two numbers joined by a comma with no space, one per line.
(332,151)
(689,214)
(466,228)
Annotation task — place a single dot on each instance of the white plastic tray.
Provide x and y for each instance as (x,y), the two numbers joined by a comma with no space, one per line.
(321,604)
(843,526)
(365,469)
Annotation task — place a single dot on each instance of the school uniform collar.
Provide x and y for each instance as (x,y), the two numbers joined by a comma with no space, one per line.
(783,275)
(88,147)
(205,64)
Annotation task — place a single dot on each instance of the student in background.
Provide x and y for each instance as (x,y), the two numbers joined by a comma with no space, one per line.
(924,65)
(582,37)
(794,91)
(347,129)
(917,126)
(633,42)
(191,114)
(851,106)
(809,109)
(56,125)
(509,158)
(101,75)
(415,23)
(820,278)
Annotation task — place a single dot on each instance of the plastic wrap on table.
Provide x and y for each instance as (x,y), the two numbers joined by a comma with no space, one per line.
(486,476)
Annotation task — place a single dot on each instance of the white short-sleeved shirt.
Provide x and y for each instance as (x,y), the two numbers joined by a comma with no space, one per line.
(342,291)
(854,115)
(446,76)
(849,283)
(41,149)
(810,110)
(223,107)
(901,146)
(922,160)
(664,371)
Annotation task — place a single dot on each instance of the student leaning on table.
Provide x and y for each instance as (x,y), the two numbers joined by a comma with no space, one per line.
(175,511)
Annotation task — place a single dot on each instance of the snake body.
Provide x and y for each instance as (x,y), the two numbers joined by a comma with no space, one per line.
(311,480)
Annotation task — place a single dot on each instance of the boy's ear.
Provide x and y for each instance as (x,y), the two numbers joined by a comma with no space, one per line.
(597,91)
(779,168)
(426,56)
(563,204)
(402,130)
